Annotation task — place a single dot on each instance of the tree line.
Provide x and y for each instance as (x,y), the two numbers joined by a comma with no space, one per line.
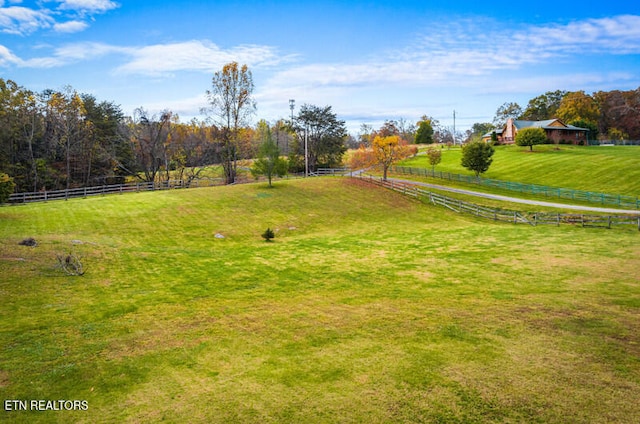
(609,115)
(59,139)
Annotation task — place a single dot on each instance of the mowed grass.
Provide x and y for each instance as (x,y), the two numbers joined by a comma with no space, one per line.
(367,307)
(606,169)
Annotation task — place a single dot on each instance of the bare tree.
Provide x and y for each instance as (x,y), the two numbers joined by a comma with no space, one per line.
(232,103)
(149,136)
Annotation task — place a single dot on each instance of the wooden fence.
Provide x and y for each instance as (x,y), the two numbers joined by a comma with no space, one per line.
(43,196)
(560,193)
(504,215)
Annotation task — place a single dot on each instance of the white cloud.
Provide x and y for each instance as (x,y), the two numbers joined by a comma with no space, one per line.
(161,59)
(70,26)
(194,55)
(457,52)
(22,20)
(7,58)
(68,17)
(89,6)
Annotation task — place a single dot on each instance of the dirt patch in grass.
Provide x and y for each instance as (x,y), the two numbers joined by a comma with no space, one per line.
(4,378)
(420,275)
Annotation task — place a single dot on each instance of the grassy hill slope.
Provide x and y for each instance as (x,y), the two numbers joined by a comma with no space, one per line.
(607,169)
(368,307)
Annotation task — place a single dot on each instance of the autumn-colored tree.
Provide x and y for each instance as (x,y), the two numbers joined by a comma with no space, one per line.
(389,149)
(362,158)
(615,134)
(193,149)
(66,116)
(6,187)
(231,100)
(619,110)
(578,106)
(150,139)
(435,157)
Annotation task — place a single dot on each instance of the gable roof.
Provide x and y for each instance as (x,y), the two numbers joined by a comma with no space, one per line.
(549,124)
(546,125)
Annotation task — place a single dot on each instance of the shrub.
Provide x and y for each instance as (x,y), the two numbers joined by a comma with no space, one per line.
(268,235)
(6,187)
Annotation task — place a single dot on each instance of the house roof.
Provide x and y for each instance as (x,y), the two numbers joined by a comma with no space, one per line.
(498,131)
(546,125)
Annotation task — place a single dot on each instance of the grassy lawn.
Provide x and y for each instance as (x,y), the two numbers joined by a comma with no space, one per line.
(367,307)
(607,169)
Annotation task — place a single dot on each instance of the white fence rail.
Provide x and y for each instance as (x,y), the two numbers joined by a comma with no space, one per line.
(504,215)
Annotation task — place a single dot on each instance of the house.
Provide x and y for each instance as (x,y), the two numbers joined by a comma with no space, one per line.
(556,130)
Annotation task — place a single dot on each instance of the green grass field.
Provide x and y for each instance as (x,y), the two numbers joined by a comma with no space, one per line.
(367,307)
(607,169)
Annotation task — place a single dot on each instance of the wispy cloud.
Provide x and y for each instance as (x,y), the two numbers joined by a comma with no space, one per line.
(70,26)
(459,50)
(68,16)
(195,55)
(87,6)
(158,60)
(7,58)
(22,20)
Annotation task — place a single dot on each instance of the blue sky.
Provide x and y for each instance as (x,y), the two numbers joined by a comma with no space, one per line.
(369,60)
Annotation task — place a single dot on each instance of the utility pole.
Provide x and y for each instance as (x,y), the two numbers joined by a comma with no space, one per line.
(306,153)
(292,105)
(454,127)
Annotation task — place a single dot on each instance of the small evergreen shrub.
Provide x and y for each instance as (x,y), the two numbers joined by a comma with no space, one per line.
(268,235)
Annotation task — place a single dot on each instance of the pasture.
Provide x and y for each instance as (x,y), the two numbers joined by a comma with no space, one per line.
(367,307)
(607,169)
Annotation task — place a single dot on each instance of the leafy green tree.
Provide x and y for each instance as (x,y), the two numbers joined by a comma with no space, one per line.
(325,134)
(506,111)
(591,126)
(424,134)
(530,137)
(6,187)
(477,157)
(269,162)
(544,106)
